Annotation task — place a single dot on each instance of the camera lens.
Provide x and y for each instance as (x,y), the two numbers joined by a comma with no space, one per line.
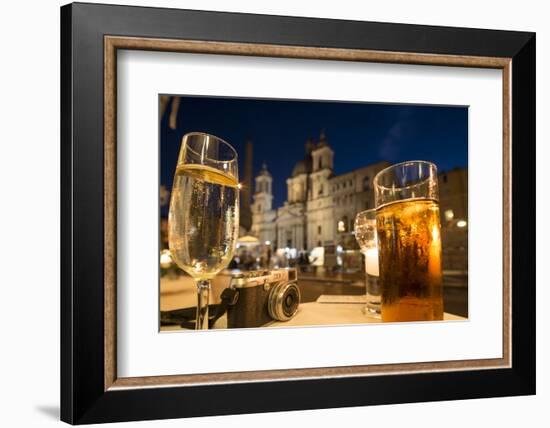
(283,301)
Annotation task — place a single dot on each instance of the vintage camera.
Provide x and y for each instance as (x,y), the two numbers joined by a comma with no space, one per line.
(259,297)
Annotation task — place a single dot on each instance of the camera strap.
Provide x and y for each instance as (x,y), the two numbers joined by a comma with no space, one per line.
(186,317)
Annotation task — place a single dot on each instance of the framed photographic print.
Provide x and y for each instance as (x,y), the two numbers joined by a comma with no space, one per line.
(320,213)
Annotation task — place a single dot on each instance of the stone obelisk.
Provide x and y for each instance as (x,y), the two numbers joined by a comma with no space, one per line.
(246,190)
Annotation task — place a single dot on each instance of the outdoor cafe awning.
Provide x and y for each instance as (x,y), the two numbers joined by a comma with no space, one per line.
(248,241)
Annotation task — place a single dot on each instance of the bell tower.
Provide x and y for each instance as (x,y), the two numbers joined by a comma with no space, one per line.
(263,216)
(263,196)
(323,159)
(323,155)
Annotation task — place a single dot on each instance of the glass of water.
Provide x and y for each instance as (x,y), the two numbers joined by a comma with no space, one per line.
(365,234)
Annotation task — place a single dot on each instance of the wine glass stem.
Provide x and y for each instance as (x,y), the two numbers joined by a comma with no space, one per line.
(203,292)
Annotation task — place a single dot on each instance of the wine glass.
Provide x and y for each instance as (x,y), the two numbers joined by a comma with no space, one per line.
(203,221)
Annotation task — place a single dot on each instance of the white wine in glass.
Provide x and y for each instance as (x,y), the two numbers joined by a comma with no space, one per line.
(203,222)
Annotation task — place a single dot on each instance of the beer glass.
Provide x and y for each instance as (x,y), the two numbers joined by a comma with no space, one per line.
(409,242)
(203,220)
(366,236)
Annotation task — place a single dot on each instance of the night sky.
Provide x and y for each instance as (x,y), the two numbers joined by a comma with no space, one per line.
(359,133)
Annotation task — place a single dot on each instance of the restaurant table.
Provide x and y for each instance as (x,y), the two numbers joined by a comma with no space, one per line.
(327,310)
(316,313)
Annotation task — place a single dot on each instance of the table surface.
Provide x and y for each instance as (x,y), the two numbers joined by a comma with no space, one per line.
(325,311)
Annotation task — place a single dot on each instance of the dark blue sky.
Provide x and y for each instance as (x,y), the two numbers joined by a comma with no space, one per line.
(359,133)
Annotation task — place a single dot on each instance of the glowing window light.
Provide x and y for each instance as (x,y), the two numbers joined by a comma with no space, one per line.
(165,259)
(462,223)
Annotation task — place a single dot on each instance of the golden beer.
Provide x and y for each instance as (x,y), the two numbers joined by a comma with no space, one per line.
(409,246)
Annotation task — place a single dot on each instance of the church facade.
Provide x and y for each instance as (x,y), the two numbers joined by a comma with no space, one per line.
(320,208)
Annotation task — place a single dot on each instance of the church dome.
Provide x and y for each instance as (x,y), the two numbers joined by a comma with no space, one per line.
(302,167)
